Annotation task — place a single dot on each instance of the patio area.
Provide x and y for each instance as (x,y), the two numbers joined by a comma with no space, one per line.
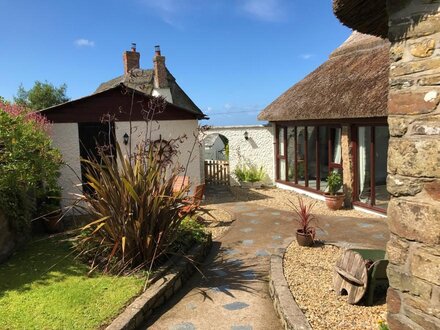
(231,289)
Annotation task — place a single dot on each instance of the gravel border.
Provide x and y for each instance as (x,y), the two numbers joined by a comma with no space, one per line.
(284,303)
(180,269)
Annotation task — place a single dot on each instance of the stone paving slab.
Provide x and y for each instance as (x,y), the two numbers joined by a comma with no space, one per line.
(232,291)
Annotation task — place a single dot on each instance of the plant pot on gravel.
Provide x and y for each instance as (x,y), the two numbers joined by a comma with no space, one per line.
(305,235)
(305,239)
(333,198)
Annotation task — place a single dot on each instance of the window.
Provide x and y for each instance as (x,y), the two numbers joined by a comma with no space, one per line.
(371,169)
(306,154)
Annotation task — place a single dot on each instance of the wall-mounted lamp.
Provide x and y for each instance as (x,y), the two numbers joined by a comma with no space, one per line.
(126,138)
(246,135)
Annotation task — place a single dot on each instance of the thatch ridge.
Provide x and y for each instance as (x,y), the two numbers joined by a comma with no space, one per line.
(353,83)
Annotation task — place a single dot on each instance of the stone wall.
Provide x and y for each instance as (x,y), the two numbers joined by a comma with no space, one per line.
(347,164)
(414,165)
(258,149)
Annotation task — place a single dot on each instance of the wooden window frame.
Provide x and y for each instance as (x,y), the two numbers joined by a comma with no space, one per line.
(355,155)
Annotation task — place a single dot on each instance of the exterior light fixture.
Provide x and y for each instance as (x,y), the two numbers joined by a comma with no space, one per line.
(126,138)
(246,135)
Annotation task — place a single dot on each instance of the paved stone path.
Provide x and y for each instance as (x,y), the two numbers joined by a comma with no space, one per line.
(231,290)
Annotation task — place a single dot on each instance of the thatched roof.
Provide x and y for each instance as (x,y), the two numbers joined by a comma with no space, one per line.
(366,16)
(142,81)
(353,83)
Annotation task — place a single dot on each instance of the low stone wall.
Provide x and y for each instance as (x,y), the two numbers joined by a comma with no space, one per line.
(168,282)
(7,239)
(285,305)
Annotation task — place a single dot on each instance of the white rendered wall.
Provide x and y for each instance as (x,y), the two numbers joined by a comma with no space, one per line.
(65,138)
(257,150)
(168,129)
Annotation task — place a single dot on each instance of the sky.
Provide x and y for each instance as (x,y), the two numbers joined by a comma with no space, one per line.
(232,57)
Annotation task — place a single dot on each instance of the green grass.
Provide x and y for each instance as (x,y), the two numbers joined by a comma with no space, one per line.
(44,287)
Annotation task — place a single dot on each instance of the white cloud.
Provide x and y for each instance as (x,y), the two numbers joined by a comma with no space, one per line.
(172,11)
(306,56)
(84,43)
(209,109)
(265,10)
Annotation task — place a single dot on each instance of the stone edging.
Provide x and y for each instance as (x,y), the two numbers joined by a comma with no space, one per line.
(161,290)
(285,305)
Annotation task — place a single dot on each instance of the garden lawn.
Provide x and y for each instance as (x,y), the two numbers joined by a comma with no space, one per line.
(44,287)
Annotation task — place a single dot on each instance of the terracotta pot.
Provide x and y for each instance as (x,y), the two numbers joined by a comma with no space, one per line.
(52,223)
(304,239)
(334,202)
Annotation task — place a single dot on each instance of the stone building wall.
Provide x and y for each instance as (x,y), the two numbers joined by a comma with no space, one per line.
(414,165)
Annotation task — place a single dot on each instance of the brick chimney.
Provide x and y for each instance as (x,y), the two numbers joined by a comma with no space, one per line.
(131,59)
(160,71)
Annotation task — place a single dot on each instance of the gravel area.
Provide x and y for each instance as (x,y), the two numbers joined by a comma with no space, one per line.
(309,272)
(279,199)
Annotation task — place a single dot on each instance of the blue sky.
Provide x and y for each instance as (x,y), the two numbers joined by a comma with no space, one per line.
(232,57)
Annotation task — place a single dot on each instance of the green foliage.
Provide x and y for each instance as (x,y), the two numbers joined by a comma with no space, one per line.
(251,173)
(44,287)
(383,325)
(29,166)
(136,214)
(190,232)
(42,95)
(334,182)
(227,151)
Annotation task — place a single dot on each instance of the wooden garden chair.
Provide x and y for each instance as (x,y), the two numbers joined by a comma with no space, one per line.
(181,182)
(192,203)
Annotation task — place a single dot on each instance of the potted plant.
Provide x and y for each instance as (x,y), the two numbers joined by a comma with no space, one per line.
(250,176)
(333,198)
(305,235)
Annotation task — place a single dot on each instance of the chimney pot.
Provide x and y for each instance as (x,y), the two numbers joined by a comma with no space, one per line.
(157,49)
(133,46)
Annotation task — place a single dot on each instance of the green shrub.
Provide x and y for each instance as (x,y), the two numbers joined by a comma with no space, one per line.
(190,232)
(29,166)
(252,173)
(334,182)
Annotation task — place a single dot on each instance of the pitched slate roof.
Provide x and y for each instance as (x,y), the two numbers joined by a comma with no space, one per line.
(142,81)
(353,83)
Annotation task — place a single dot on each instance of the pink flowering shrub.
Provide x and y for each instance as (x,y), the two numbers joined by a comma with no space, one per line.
(29,165)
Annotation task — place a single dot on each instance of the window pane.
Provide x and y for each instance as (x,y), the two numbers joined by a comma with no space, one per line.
(364,170)
(300,137)
(281,141)
(337,152)
(291,149)
(323,156)
(381,138)
(282,169)
(311,156)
